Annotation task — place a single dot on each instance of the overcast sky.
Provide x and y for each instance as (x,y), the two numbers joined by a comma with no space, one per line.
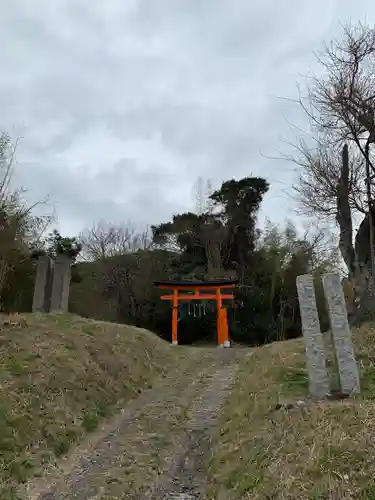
(122,104)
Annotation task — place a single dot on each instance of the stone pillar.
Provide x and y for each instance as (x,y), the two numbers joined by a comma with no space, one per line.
(61,284)
(43,285)
(313,338)
(342,337)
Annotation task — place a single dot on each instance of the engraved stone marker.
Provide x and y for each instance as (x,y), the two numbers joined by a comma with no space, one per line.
(313,338)
(61,284)
(42,287)
(342,337)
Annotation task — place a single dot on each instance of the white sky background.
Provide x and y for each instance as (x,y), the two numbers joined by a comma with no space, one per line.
(122,104)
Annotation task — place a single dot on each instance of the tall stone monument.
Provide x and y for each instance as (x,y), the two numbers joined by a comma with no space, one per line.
(43,284)
(314,341)
(341,334)
(52,284)
(61,284)
(313,338)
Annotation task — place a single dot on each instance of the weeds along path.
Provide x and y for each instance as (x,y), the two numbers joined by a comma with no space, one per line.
(158,447)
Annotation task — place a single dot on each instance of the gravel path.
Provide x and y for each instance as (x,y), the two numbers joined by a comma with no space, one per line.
(159,446)
(185,480)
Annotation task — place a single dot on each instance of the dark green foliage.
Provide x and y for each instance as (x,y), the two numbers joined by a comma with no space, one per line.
(63,245)
(240,202)
(266,263)
(223,241)
(17,294)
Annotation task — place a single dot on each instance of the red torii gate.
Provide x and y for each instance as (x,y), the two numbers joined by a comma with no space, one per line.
(180,292)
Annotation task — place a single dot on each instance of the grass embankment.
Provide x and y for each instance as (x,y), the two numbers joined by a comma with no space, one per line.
(59,376)
(323,450)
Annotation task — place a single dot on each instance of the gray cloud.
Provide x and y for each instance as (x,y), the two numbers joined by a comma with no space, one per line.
(122,105)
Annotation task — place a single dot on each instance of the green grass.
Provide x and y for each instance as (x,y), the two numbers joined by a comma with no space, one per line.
(291,380)
(60,376)
(320,451)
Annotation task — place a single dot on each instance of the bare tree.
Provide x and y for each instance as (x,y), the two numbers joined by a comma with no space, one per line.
(322,176)
(286,242)
(341,103)
(20,229)
(105,240)
(331,187)
(202,191)
(199,195)
(335,181)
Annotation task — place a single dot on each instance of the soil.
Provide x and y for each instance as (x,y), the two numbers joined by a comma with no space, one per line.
(159,447)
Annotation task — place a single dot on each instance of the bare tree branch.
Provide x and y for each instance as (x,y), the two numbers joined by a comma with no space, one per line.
(341,103)
(319,176)
(105,240)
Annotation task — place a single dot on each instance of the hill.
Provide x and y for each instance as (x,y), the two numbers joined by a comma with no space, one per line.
(59,376)
(273,443)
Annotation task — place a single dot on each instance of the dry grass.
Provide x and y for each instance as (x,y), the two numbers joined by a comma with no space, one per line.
(319,451)
(59,376)
(146,449)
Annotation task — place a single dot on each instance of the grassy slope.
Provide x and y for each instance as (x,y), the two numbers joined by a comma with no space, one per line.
(322,451)
(59,375)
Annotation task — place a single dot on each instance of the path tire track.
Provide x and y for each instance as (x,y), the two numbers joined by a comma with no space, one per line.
(200,393)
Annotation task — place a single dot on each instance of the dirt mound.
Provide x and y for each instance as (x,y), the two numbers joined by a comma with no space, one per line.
(59,376)
(276,443)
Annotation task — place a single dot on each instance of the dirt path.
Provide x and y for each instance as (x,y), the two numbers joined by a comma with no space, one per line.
(158,447)
(185,479)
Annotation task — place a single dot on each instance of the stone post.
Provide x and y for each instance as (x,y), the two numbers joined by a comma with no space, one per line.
(61,284)
(43,285)
(342,337)
(313,338)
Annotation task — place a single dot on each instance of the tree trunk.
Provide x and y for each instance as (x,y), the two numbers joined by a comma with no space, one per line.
(344,216)
(364,283)
(357,271)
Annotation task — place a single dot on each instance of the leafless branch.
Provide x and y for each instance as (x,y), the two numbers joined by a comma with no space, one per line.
(341,103)
(107,240)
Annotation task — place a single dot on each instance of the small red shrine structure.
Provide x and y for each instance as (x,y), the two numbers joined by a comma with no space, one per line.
(200,290)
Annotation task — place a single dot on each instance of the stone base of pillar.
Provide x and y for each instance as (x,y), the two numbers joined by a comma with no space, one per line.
(174,342)
(226,343)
